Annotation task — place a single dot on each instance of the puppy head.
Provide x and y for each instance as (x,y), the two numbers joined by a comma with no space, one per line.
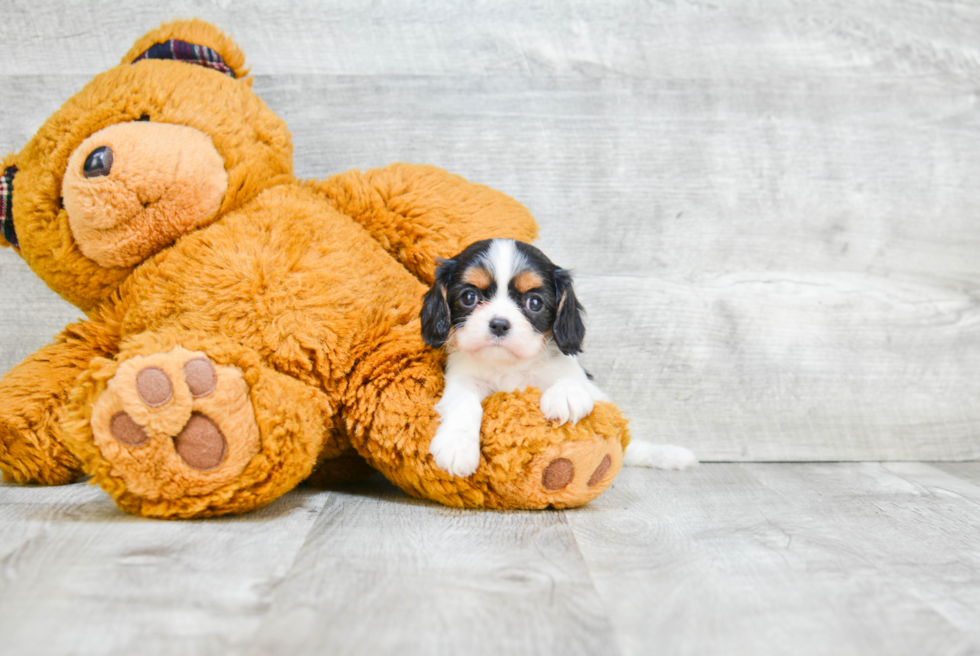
(502,300)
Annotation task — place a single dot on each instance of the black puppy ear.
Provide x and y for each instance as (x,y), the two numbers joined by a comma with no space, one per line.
(569,331)
(436,320)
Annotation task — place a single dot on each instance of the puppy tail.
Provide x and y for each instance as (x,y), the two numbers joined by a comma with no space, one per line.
(658,456)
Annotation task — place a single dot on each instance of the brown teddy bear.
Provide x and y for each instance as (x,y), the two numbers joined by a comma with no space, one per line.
(246,331)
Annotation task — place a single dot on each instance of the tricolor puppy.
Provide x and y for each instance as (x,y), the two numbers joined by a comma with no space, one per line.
(508,318)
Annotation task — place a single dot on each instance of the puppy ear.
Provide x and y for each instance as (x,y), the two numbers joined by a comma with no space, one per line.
(569,331)
(436,320)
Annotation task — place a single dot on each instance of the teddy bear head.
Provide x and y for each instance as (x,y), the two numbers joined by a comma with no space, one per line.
(165,143)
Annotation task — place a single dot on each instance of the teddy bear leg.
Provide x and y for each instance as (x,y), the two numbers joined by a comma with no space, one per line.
(526,461)
(34,394)
(190,425)
(418,212)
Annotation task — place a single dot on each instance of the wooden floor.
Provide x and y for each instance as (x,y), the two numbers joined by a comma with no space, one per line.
(857,558)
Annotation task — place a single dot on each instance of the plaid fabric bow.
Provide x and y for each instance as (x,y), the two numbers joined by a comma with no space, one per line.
(7,206)
(187,52)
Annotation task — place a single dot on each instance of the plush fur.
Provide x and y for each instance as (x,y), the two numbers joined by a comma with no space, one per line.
(230,353)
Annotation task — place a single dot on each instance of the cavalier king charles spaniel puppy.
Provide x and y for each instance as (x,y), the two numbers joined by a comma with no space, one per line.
(508,319)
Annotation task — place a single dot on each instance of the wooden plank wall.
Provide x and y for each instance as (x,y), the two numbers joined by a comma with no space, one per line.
(773,207)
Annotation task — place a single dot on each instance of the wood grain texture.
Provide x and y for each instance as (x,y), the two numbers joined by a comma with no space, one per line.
(754,559)
(773,559)
(80,577)
(513,37)
(770,206)
(969,471)
(30,313)
(808,367)
(383,574)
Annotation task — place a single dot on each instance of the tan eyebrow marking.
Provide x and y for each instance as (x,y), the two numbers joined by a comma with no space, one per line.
(478,277)
(527,280)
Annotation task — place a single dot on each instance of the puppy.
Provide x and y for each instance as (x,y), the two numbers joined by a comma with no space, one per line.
(508,318)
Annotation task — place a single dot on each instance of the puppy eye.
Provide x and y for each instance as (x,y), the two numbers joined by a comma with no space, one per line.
(469,298)
(534,303)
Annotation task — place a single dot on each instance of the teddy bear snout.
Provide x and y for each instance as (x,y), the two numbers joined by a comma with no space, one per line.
(134,188)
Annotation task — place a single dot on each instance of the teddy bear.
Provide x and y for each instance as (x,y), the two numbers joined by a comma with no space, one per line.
(246,331)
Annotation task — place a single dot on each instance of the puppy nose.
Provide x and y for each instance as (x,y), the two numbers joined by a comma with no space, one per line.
(499,327)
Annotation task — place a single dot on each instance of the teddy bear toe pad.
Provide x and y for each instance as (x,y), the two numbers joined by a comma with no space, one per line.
(175,423)
(201,443)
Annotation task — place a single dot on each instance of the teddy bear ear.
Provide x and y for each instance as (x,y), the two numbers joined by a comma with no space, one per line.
(194,41)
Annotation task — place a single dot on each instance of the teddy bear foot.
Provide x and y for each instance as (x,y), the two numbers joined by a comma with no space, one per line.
(181,433)
(167,418)
(569,465)
(573,473)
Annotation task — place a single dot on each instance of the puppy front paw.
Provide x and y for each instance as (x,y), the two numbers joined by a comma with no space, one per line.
(456,448)
(567,401)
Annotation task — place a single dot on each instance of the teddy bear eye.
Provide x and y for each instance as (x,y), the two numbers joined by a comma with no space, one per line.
(468,298)
(98,163)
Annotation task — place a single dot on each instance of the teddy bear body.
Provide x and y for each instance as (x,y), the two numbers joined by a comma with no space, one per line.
(246,330)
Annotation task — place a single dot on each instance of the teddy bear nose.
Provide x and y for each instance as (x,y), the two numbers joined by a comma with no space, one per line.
(98,163)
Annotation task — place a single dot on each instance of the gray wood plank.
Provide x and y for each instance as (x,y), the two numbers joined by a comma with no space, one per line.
(384,574)
(81,577)
(736,559)
(682,179)
(30,313)
(750,367)
(539,37)
(917,524)
(968,471)
(775,559)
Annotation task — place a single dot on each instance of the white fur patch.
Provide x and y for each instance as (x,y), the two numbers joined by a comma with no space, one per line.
(456,445)
(658,456)
(570,400)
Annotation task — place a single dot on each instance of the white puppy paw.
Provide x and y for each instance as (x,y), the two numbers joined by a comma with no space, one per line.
(456,448)
(567,400)
(658,456)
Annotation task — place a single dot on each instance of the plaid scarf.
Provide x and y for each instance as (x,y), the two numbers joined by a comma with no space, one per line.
(188,52)
(7,206)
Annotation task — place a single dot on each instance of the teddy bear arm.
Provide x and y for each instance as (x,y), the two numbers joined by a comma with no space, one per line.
(419,213)
(35,393)
(526,460)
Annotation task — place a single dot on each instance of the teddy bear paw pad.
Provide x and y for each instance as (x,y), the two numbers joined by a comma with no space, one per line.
(175,423)
(572,473)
